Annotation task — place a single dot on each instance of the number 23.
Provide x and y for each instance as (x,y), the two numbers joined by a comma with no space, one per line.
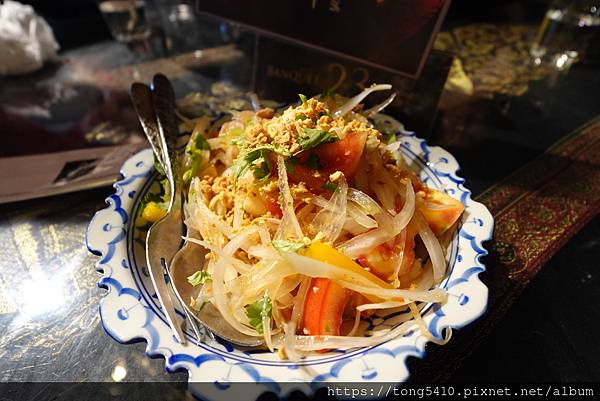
(342,74)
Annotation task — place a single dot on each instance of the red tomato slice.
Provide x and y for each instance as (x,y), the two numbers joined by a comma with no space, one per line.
(440,210)
(324,308)
(272,203)
(314,179)
(382,260)
(343,155)
(312,308)
(332,309)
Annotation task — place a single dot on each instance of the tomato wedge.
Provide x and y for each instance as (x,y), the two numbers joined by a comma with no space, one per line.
(324,308)
(439,209)
(343,155)
(326,300)
(272,203)
(314,179)
(383,259)
(312,308)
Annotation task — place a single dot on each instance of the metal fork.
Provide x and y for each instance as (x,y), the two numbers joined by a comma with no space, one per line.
(155,109)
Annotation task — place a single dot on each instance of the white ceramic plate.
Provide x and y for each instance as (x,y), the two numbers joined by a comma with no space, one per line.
(131,311)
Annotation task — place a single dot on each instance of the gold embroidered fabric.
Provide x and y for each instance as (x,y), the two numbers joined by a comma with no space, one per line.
(491,59)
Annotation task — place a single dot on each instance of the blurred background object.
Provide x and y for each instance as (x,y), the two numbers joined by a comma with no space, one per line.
(128,23)
(183,31)
(566,36)
(567,32)
(125,18)
(491,59)
(26,40)
(75,22)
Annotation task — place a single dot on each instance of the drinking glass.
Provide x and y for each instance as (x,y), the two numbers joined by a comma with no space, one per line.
(566,33)
(125,19)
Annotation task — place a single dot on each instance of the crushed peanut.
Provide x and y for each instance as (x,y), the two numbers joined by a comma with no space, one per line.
(265,113)
(284,130)
(335,176)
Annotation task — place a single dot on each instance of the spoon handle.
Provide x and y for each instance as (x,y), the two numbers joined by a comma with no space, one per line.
(157,115)
(141,97)
(163,100)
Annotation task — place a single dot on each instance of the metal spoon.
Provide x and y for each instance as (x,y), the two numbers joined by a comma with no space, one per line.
(184,264)
(160,246)
(156,244)
(186,260)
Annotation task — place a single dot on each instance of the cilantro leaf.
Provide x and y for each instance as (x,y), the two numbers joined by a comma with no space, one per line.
(290,164)
(256,311)
(246,161)
(327,93)
(261,165)
(165,188)
(391,138)
(302,99)
(152,197)
(195,149)
(198,303)
(329,186)
(201,143)
(160,197)
(313,162)
(199,307)
(238,142)
(283,245)
(200,277)
(197,144)
(313,137)
(187,176)
(158,167)
(301,117)
(258,160)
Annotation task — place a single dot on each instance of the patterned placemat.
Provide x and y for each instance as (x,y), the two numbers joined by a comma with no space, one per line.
(537,210)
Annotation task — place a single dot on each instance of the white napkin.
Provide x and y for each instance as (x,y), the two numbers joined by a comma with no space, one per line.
(26,40)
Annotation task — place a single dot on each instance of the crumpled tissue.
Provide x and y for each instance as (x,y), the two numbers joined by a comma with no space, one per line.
(26,40)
